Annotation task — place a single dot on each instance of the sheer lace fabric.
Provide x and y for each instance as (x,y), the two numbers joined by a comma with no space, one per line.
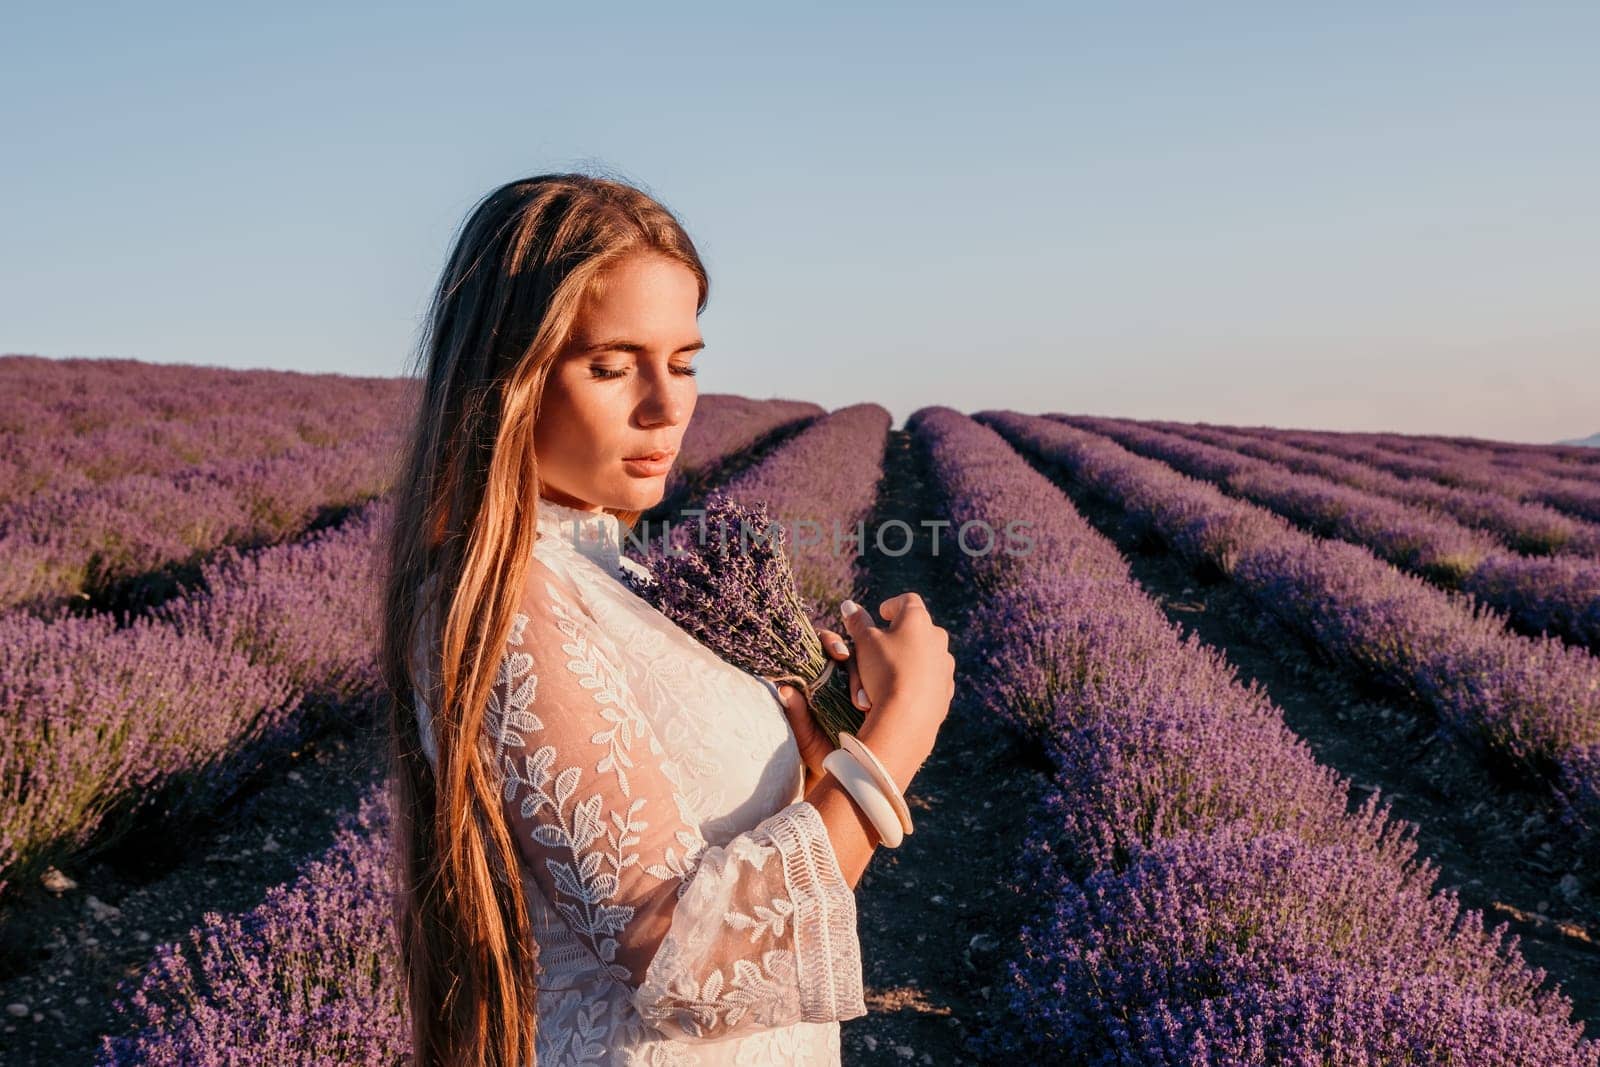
(688,904)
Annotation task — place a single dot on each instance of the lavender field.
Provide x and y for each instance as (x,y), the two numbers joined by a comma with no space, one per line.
(1272,746)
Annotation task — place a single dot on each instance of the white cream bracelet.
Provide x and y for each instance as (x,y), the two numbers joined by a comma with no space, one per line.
(880,774)
(859,783)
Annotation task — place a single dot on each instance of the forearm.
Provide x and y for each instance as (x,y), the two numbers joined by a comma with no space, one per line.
(849,829)
(853,836)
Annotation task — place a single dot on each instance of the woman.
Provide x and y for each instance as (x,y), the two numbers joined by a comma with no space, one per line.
(613,847)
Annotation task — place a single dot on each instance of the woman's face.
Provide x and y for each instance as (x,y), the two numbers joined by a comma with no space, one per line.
(623,387)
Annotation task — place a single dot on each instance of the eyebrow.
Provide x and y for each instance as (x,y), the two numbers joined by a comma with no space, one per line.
(621,345)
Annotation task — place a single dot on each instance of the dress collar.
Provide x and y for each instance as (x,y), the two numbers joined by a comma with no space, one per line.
(594,534)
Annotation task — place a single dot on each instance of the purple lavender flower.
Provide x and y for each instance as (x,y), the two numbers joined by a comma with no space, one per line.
(727,583)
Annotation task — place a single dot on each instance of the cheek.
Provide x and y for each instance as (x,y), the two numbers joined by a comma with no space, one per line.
(586,415)
(561,434)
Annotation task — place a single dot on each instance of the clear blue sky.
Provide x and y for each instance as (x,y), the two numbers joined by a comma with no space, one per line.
(1332,215)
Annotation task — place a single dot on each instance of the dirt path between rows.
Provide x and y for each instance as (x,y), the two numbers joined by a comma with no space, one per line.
(1497,846)
(937,915)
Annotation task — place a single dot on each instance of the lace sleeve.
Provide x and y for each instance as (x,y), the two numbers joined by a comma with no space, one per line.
(711,941)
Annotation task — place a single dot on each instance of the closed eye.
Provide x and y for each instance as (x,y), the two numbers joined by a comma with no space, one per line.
(605,373)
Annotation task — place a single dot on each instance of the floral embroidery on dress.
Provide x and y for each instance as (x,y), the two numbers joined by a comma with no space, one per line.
(686,901)
(589,878)
(719,1002)
(768,918)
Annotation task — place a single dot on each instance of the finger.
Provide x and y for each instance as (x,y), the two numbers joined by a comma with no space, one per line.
(898,607)
(794,704)
(857,620)
(834,644)
(858,693)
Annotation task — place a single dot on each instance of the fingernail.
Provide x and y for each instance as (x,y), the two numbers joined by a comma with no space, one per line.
(838,646)
(861,697)
(848,608)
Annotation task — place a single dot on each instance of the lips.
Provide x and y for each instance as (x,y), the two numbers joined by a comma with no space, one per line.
(657,456)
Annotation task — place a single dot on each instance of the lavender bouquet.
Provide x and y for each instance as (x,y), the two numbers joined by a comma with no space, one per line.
(728,584)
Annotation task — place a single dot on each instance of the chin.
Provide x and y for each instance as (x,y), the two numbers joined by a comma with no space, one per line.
(641,495)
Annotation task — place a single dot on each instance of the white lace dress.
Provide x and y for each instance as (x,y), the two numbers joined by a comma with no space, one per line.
(688,905)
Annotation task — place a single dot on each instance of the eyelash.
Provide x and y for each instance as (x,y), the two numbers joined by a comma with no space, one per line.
(603,374)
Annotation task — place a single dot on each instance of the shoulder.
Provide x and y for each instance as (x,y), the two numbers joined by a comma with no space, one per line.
(551,600)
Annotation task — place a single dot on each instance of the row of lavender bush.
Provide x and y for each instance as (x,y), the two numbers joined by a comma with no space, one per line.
(97,719)
(826,529)
(1201,893)
(1474,469)
(59,546)
(726,425)
(1567,461)
(72,397)
(74,424)
(1560,461)
(1530,528)
(310,975)
(1532,704)
(1574,488)
(1539,594)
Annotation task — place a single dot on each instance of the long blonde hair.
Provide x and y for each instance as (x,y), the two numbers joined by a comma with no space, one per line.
(464,528)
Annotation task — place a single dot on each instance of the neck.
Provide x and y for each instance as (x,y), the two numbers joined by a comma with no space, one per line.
(558,497)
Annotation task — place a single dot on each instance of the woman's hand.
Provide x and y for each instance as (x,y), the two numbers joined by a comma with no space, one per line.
(912,674)
(814,744)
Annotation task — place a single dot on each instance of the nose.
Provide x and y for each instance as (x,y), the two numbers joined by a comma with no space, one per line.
(664,403)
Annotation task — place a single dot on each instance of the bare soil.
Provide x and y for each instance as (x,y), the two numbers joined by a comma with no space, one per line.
(937,915)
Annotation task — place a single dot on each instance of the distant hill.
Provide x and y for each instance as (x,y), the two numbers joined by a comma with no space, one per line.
(1592,441)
